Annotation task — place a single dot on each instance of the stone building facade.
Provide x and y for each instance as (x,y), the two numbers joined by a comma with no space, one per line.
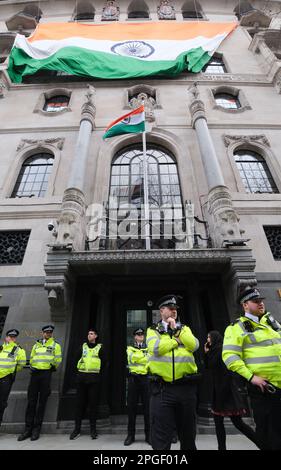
(218,133)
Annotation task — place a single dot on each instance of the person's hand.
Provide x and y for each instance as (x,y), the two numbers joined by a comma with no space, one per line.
(259,382)
(172,323)
(207,347)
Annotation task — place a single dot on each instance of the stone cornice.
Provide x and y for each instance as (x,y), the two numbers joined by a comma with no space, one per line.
(157,256)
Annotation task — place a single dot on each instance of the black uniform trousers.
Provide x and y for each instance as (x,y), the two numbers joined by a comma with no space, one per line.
(87,395)
(37,395)
(5,388)
(138,387)
(267,416)
(173,406)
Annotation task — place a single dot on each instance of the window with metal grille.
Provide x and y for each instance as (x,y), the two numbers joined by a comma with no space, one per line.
(33,176)
(227,101)
(126,184)
(56,103)
(192,9)
(138,9)
(273,235)
(215,65)
(13,245)
(254,172)
(3,316)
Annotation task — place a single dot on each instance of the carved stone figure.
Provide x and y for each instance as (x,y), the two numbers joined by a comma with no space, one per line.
(110,12)
(193,90)
(2,88)
(149,104)
(166,11)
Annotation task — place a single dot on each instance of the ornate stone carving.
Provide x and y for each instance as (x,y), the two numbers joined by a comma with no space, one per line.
(71,227)
(245,139)
(88,112)
(57,142)
(2,88)
(222,218)
(166,11)
(110,12)
(149,104)
(193,91)
(277,82)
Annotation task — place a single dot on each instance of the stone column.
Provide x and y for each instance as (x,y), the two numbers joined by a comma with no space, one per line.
(71,230)
(221,216)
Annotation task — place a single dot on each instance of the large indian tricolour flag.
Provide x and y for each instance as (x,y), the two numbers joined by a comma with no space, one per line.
(119,50)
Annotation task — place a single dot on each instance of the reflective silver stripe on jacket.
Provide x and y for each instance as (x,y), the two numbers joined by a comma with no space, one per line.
(196,344)
(5,367)
(231,359)
(170,359)
(267,342)
(262,360)
(7,359)
(151,338)
(40,360)
(232,347)
(133,364)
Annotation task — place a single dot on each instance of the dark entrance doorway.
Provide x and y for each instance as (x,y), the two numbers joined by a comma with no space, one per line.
(117,305)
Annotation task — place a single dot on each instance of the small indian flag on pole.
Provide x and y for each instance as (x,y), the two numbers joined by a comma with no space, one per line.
(133,122)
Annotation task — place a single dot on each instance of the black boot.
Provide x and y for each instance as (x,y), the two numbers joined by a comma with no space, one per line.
(35,433)
(94,434)
(75,434)
(129,440)
(25,435)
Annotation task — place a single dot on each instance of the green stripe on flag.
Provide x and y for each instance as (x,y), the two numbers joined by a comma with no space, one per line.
(119,129)
(103,65)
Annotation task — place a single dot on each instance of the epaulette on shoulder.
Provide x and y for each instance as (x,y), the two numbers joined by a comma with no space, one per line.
(154,326)
(235,321)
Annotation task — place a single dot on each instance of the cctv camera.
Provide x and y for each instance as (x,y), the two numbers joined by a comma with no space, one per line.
(51,226)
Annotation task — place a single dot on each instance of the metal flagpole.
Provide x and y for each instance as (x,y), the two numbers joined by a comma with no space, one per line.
(145,192)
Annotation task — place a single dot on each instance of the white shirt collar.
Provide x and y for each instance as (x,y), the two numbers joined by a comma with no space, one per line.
(165,324)
(252,317)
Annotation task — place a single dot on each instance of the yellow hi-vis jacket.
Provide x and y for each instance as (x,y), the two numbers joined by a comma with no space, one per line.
(12,359)
(44,356)
(256,352)
(90,361)
(137,360)
(169,359)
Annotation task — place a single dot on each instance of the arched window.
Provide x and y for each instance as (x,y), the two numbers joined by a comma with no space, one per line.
(56,103)
(192,9)
(33,176)
(242,8)
(85,11)
(138,9)
(227,101)
(254,172)
(215,65)
(34,11)
(126,183)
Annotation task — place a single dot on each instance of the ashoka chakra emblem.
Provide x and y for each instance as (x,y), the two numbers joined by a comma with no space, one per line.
(139,49)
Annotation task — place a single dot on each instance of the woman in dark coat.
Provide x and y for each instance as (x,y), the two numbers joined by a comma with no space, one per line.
(226,400)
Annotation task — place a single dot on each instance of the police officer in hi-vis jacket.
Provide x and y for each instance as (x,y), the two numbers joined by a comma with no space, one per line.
(252,349)
(12,360)
(137,385)
(45,358)
(173,378)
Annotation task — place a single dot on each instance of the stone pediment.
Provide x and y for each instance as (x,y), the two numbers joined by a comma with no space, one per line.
(255,18)
(21,21)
